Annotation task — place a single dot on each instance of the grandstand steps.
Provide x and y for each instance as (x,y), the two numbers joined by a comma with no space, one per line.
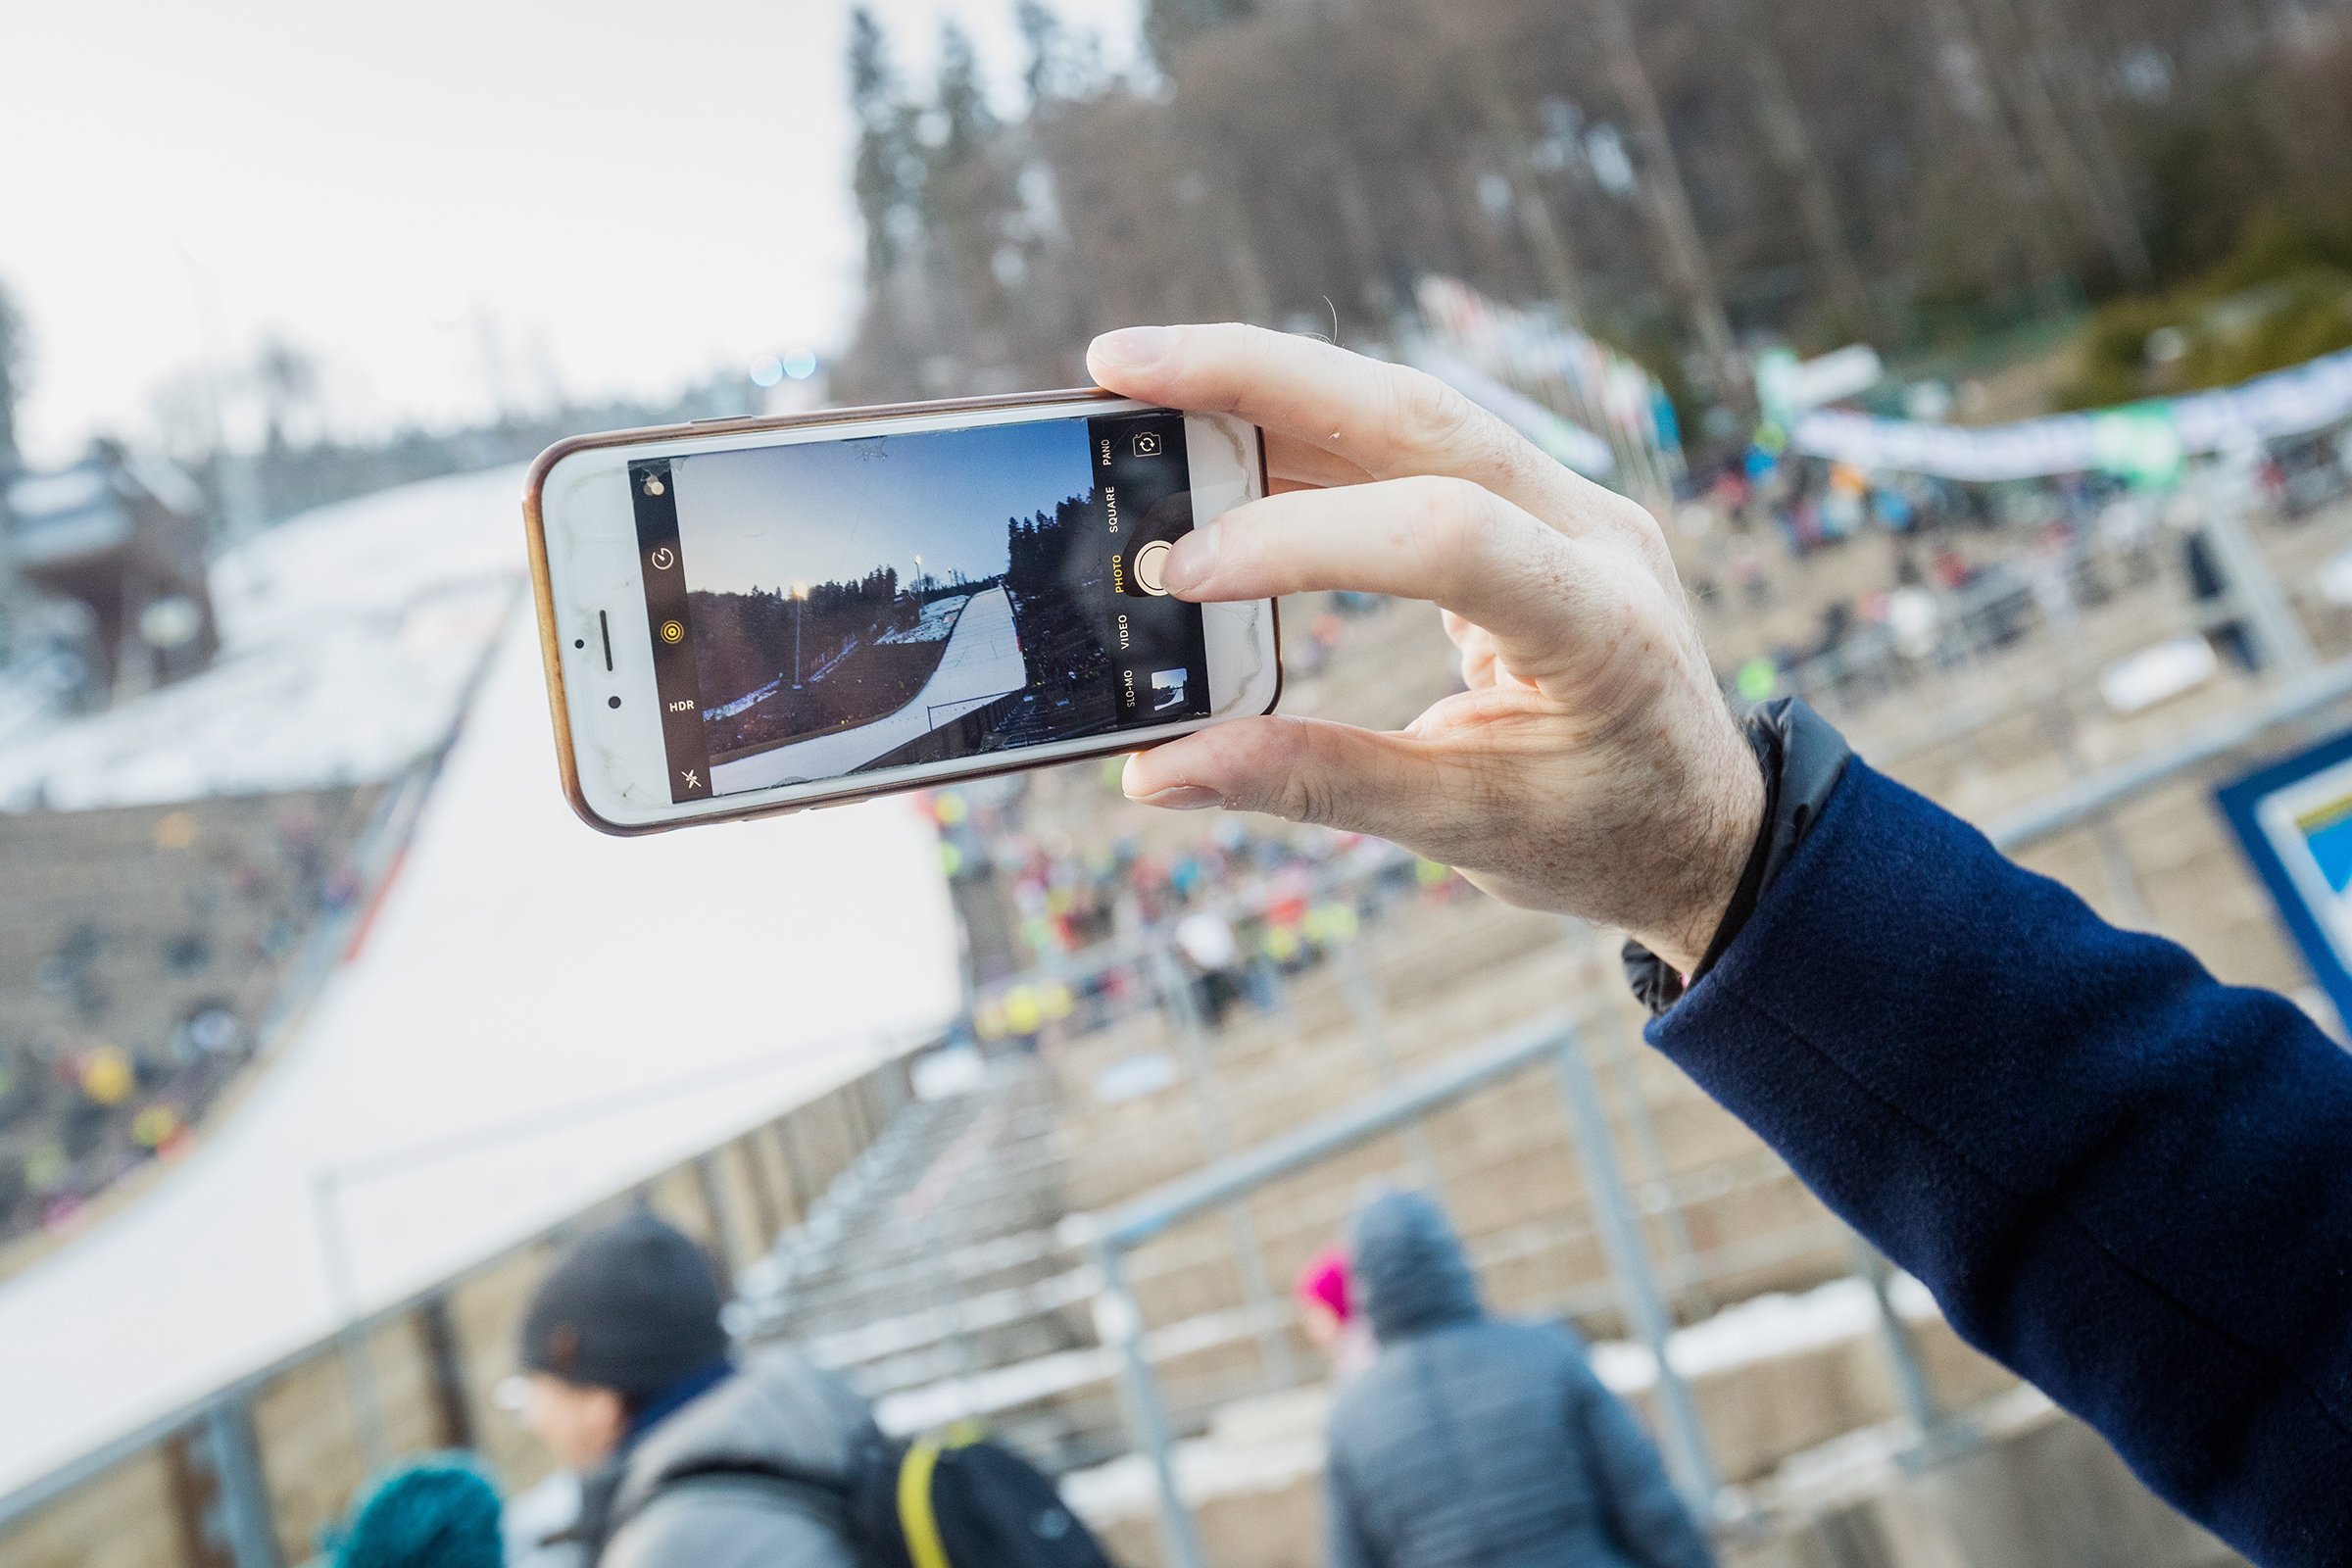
(966,1302)
(934,1262)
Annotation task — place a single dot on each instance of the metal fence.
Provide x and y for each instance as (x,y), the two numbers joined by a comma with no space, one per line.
(231,1497)
(220,1467)
(1553,1042)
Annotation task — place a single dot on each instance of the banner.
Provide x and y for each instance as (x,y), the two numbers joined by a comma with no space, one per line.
(2285,402)
(1566,442)
(1593,408)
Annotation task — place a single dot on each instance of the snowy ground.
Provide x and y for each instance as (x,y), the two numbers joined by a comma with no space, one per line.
(981,663)
(938,618)
(1271,1441)
(349,636)
(556,1014)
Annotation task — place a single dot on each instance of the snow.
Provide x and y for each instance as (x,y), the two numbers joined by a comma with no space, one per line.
(1762,1329)
(746,700)
(1272,1441)
(938,618)
(40,495)
(351,635)
(2158,674)
(532,1017)
(981,663)
(1205,1468)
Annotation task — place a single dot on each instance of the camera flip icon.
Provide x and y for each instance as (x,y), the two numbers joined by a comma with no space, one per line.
(1146,444)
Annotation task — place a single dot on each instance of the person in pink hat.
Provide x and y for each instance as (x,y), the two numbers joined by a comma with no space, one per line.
(1328,1308)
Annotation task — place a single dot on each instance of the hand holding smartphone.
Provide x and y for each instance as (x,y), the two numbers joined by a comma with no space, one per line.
(760,615)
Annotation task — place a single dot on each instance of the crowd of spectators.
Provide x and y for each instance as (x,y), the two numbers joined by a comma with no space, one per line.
(1237,910)
(150,944)
(1974,566)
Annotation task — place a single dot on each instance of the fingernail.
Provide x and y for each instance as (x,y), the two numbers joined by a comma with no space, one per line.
(1192,559)
(1131,348)
(1181,798)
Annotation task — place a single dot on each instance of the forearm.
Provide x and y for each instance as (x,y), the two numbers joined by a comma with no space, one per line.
(2129,1182)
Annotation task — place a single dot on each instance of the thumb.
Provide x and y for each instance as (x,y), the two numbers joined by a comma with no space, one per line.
(1304,770)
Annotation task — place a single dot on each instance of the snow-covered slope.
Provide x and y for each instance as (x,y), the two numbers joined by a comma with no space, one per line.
(544,1014)
(349,634)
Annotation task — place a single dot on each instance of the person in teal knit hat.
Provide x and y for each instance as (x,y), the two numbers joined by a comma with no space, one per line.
(440,1511)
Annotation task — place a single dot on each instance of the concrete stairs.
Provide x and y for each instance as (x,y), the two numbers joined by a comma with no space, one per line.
(931,1273)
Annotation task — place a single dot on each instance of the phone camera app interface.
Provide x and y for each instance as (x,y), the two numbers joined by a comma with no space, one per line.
(841,606)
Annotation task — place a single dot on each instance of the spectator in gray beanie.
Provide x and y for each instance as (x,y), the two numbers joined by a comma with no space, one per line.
(633,1386)
(1476,1441)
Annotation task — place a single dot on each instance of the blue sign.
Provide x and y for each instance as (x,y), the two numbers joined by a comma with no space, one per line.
(2294,820)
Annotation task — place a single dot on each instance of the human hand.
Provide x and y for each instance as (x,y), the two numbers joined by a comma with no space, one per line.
(1590,768)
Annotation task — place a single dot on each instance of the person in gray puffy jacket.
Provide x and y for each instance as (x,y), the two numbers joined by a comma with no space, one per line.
(1473,1440)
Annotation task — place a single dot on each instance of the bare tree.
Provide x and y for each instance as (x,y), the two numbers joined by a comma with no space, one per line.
(1674,175)
(16,363)
(287,380)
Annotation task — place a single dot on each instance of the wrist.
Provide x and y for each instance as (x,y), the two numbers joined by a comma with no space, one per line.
(1800,760)
(1718,845)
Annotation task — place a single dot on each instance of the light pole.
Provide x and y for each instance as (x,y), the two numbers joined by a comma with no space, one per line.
(918,574)
(800,604)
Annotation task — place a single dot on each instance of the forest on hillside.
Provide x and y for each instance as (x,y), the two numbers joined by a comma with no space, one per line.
(1676,175)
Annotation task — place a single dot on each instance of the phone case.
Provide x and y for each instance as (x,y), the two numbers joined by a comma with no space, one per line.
(543,600)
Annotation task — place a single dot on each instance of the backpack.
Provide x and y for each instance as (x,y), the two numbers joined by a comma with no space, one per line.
(934,1503)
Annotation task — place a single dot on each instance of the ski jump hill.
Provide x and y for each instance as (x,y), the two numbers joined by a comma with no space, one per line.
(523,1016)
(981,663)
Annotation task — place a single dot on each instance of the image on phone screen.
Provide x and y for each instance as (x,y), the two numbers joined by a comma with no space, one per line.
(839,606)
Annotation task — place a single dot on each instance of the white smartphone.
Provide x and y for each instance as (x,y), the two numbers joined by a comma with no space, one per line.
(760,615)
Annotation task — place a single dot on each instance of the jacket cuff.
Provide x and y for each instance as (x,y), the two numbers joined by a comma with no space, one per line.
(1803,757)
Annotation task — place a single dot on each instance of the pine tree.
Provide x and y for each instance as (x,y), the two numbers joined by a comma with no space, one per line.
(883,173)
(963,101)
(1169,24)
(1042,35)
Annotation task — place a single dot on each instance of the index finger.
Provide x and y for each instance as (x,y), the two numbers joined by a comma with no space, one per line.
(1389,420)
(1545,598)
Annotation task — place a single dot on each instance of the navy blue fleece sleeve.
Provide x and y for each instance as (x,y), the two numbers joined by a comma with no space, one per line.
(2124,1180)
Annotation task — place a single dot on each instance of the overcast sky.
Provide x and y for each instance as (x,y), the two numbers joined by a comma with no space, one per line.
(448,200)
(845,508)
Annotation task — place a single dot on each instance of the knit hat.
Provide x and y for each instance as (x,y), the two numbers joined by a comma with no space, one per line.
(436,1512)
(632,1307)
(1324,1280)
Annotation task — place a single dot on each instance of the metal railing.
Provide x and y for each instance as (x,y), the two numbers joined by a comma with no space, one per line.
(1552,1039)
(2016,611)
(220,1423)
(215,1434)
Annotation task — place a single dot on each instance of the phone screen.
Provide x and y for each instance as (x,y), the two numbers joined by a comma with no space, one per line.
(836,607)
